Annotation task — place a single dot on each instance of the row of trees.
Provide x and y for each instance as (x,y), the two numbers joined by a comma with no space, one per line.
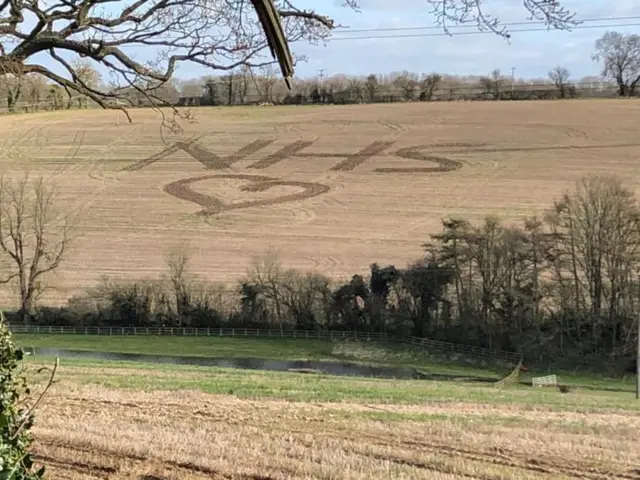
(619,54)
(563,285)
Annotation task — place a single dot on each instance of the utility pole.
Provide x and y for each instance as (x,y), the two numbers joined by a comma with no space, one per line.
(321,75)
(513,80)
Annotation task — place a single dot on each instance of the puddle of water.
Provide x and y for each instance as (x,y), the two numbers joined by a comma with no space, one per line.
(299,366)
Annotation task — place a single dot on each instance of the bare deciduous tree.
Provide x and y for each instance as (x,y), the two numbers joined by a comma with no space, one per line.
(304,296)
(597,234)
(429,85)
(620,55)
(264,81)
(493,83)
(212,34)
(243,75)
(267,275)
(12,87)
(34,239)
(36,90)
(497,80)
(407,83)
(372,86)
(88,75)
(218,35)
(559,76)
(178,263)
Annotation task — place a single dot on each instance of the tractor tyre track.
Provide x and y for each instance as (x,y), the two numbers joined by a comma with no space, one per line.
(496,457)
(75,464)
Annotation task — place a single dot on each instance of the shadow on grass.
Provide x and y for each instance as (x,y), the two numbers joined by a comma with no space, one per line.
(274,365)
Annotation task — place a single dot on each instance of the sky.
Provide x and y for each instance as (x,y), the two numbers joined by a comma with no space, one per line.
(532,54)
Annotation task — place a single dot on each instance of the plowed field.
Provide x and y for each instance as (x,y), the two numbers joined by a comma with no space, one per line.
(332,188)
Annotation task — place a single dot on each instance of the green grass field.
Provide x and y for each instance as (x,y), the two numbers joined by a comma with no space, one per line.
(188,346)
(370,353)
(255,385)
(385,354)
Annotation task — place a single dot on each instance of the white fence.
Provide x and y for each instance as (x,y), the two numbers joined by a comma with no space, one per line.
(544,381)
(262,333)
(197,332)
(464,349)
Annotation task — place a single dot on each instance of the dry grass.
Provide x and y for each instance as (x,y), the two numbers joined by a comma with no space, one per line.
(90,432)
(514,159)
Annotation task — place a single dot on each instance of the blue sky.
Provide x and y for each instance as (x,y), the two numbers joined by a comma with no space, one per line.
(532,54)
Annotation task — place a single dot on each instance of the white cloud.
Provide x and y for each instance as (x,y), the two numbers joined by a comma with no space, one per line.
(532,53)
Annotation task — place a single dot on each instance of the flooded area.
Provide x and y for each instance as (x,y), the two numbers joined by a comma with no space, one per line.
(297,366)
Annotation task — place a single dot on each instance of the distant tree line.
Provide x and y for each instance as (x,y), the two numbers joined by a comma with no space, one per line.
(618,54)
(563,286)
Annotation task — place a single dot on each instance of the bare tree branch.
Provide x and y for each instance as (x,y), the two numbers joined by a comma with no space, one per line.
(459,12)
(214,34)
(620,55)
(33,239)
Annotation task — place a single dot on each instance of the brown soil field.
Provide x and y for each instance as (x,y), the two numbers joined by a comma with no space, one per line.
(89,432)
(331,188)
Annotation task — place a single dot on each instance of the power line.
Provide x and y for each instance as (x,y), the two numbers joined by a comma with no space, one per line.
(455,33)
(506,24)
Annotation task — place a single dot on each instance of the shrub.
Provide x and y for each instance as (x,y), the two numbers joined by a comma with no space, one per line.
(16,418)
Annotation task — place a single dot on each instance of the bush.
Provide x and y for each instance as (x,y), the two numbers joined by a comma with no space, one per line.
(15,418)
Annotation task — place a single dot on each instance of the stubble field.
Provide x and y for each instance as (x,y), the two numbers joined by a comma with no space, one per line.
(120,421)
(331,188)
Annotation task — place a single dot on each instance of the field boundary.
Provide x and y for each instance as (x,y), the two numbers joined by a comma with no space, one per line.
(426,343)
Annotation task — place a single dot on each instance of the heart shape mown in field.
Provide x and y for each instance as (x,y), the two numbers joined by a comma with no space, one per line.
(258,183)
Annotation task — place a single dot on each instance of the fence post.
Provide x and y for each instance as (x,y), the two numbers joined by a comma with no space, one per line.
(233,332)
(269,333)
(245,332)
(307,331)
(220,331)
(208,332)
